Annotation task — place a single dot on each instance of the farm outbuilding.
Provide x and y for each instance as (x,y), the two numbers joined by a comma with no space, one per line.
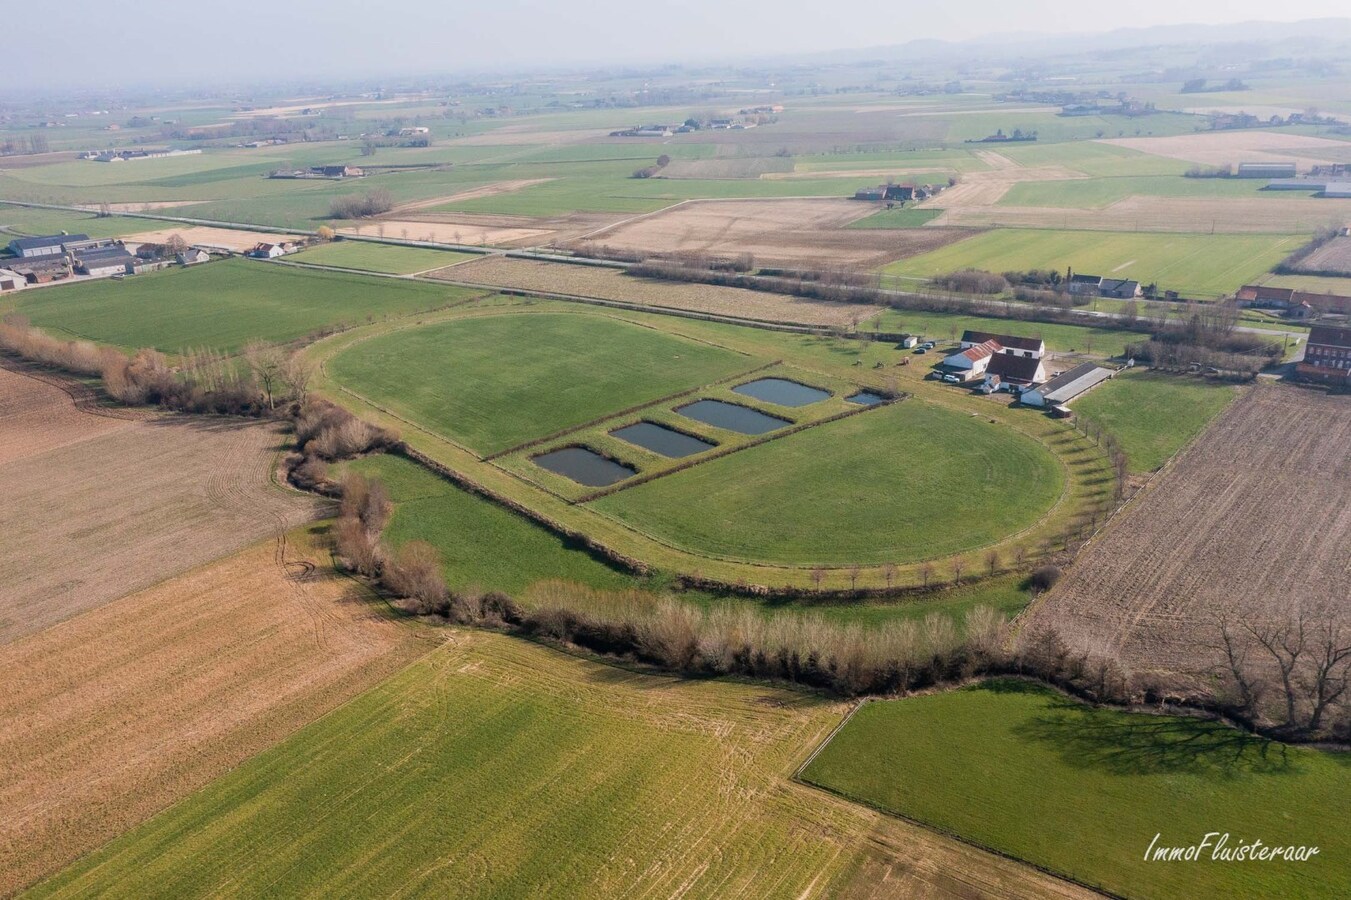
(971,362)
(1066,386)
(1267,170)
(45,245)
(1012,345)
(1016,369)
(102,263)
(11,281)
(1338,189)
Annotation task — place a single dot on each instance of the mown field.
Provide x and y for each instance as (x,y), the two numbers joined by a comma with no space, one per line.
(1154,415)
(494,382)
(1199,265)
(226,304)
(372,257)
(483,545)
(1059,338)
(898,484)
(1096,193)
(500,763)
(29,220)
(1084,791)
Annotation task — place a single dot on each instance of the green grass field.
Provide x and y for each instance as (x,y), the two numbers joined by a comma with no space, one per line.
(1096,193)
(483,545)
(494,382)
(30,220)
(898,484)
(225,304)
(1154,415)
(1198,265)
(1083,791)
(373,257)
(514,769)
(1059,338)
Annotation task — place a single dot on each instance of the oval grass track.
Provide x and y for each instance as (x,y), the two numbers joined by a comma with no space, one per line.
(897,484)
(492,382)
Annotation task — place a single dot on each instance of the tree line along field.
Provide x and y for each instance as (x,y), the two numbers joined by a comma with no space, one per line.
(524,770)
(985,762)
(121,712)
(486,415)
(225,304)
(1197,265)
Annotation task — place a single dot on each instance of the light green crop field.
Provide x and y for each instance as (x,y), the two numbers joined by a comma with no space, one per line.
(30,220)
(483,545)
(372,257)
(901,483)
(225,304)
(1083,791)
(1093,158)
(493,382)
(497,763)
(1154,415)
(1097,193)
(1198,265)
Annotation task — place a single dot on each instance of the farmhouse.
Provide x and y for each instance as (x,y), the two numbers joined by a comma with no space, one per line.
(45,245)
(192,256)
(1098,286)
(1066,386)
(1007,369)
(1008,344)
(1327,356)
(1266,170)
(11,281)
(970,363)
(104,262)
(1294,302)
(271,251)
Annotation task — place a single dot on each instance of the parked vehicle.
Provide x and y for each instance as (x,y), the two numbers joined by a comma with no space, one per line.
(952,379)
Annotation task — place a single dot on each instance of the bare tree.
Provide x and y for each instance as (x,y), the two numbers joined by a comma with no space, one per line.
(1285,642)
(958,567)
(176,244)
(818,574)
(296,374)
(889,572)
(1330,675)
(266,361)
(853,577)
(926,572)
(992,560)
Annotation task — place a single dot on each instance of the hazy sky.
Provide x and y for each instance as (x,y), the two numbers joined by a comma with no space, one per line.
(243,40)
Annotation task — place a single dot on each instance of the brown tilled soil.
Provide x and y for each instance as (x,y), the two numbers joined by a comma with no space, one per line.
(96,507)
(118,713)
(1219,215)
(610,284)
(1221,148)
(791,232)
(1334,256)
(205,236)
(1252,522)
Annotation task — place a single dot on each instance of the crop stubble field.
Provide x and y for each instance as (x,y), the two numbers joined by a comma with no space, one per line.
(530,771)
(93,511)
(1234,528)
(118,713)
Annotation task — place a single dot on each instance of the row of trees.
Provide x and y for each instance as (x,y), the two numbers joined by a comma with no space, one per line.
(361,206)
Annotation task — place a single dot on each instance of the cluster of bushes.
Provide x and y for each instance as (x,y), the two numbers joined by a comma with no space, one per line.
(648,171)
(361,206)
(840,285)
(81,357)
(973,281)
(1223,171)
(326,433)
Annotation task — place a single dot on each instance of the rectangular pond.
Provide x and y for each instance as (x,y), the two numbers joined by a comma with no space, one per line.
(741,419)
(781,391)
(662,440)
(866,398)
(584,466)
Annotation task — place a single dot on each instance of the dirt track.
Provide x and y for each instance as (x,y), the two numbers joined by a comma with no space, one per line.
(1252,521)
(96,507)
(118,713)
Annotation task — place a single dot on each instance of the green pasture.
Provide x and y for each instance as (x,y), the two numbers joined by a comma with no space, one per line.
(1097,193)
(225,304)
(31,220)
(1083,791)
(1198,265)
(896,484)
(373,257)
(1154,415)
(493,382)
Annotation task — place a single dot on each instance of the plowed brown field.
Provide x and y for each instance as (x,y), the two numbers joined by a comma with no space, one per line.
(97,507)
(1252,522)
(115,714)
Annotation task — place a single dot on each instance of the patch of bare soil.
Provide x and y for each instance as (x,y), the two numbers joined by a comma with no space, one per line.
(96,507)
(464,231)
(787,232)
(217,238)
(611,284)
(487,190)
(1220,215)
(1221,148)
(1252,522)
(118,713)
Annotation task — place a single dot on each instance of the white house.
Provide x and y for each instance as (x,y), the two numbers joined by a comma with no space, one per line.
(1020,370)
(11,281)
(192,256)
(1032,348)
(970,363)
(1067,385)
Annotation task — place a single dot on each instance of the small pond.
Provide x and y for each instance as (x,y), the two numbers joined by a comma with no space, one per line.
(866,398)
(742,419)
(781,391)
(663,440)
(584,466)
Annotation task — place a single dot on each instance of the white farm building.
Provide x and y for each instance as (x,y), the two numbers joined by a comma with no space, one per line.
(1067,385)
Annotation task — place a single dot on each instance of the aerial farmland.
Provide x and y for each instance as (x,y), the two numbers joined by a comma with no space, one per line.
(821,465)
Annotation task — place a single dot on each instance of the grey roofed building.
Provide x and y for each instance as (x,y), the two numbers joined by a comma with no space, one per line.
(1020,369)
(1008,341)
(105,259)
(1067,385)
(1267,170)
(1339,189)
(44,245)
(1120,288)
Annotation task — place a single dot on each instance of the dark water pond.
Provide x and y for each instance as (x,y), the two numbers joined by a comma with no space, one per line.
(731,416)
(866,398)
(663,440)
(584,466)
(781,391)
